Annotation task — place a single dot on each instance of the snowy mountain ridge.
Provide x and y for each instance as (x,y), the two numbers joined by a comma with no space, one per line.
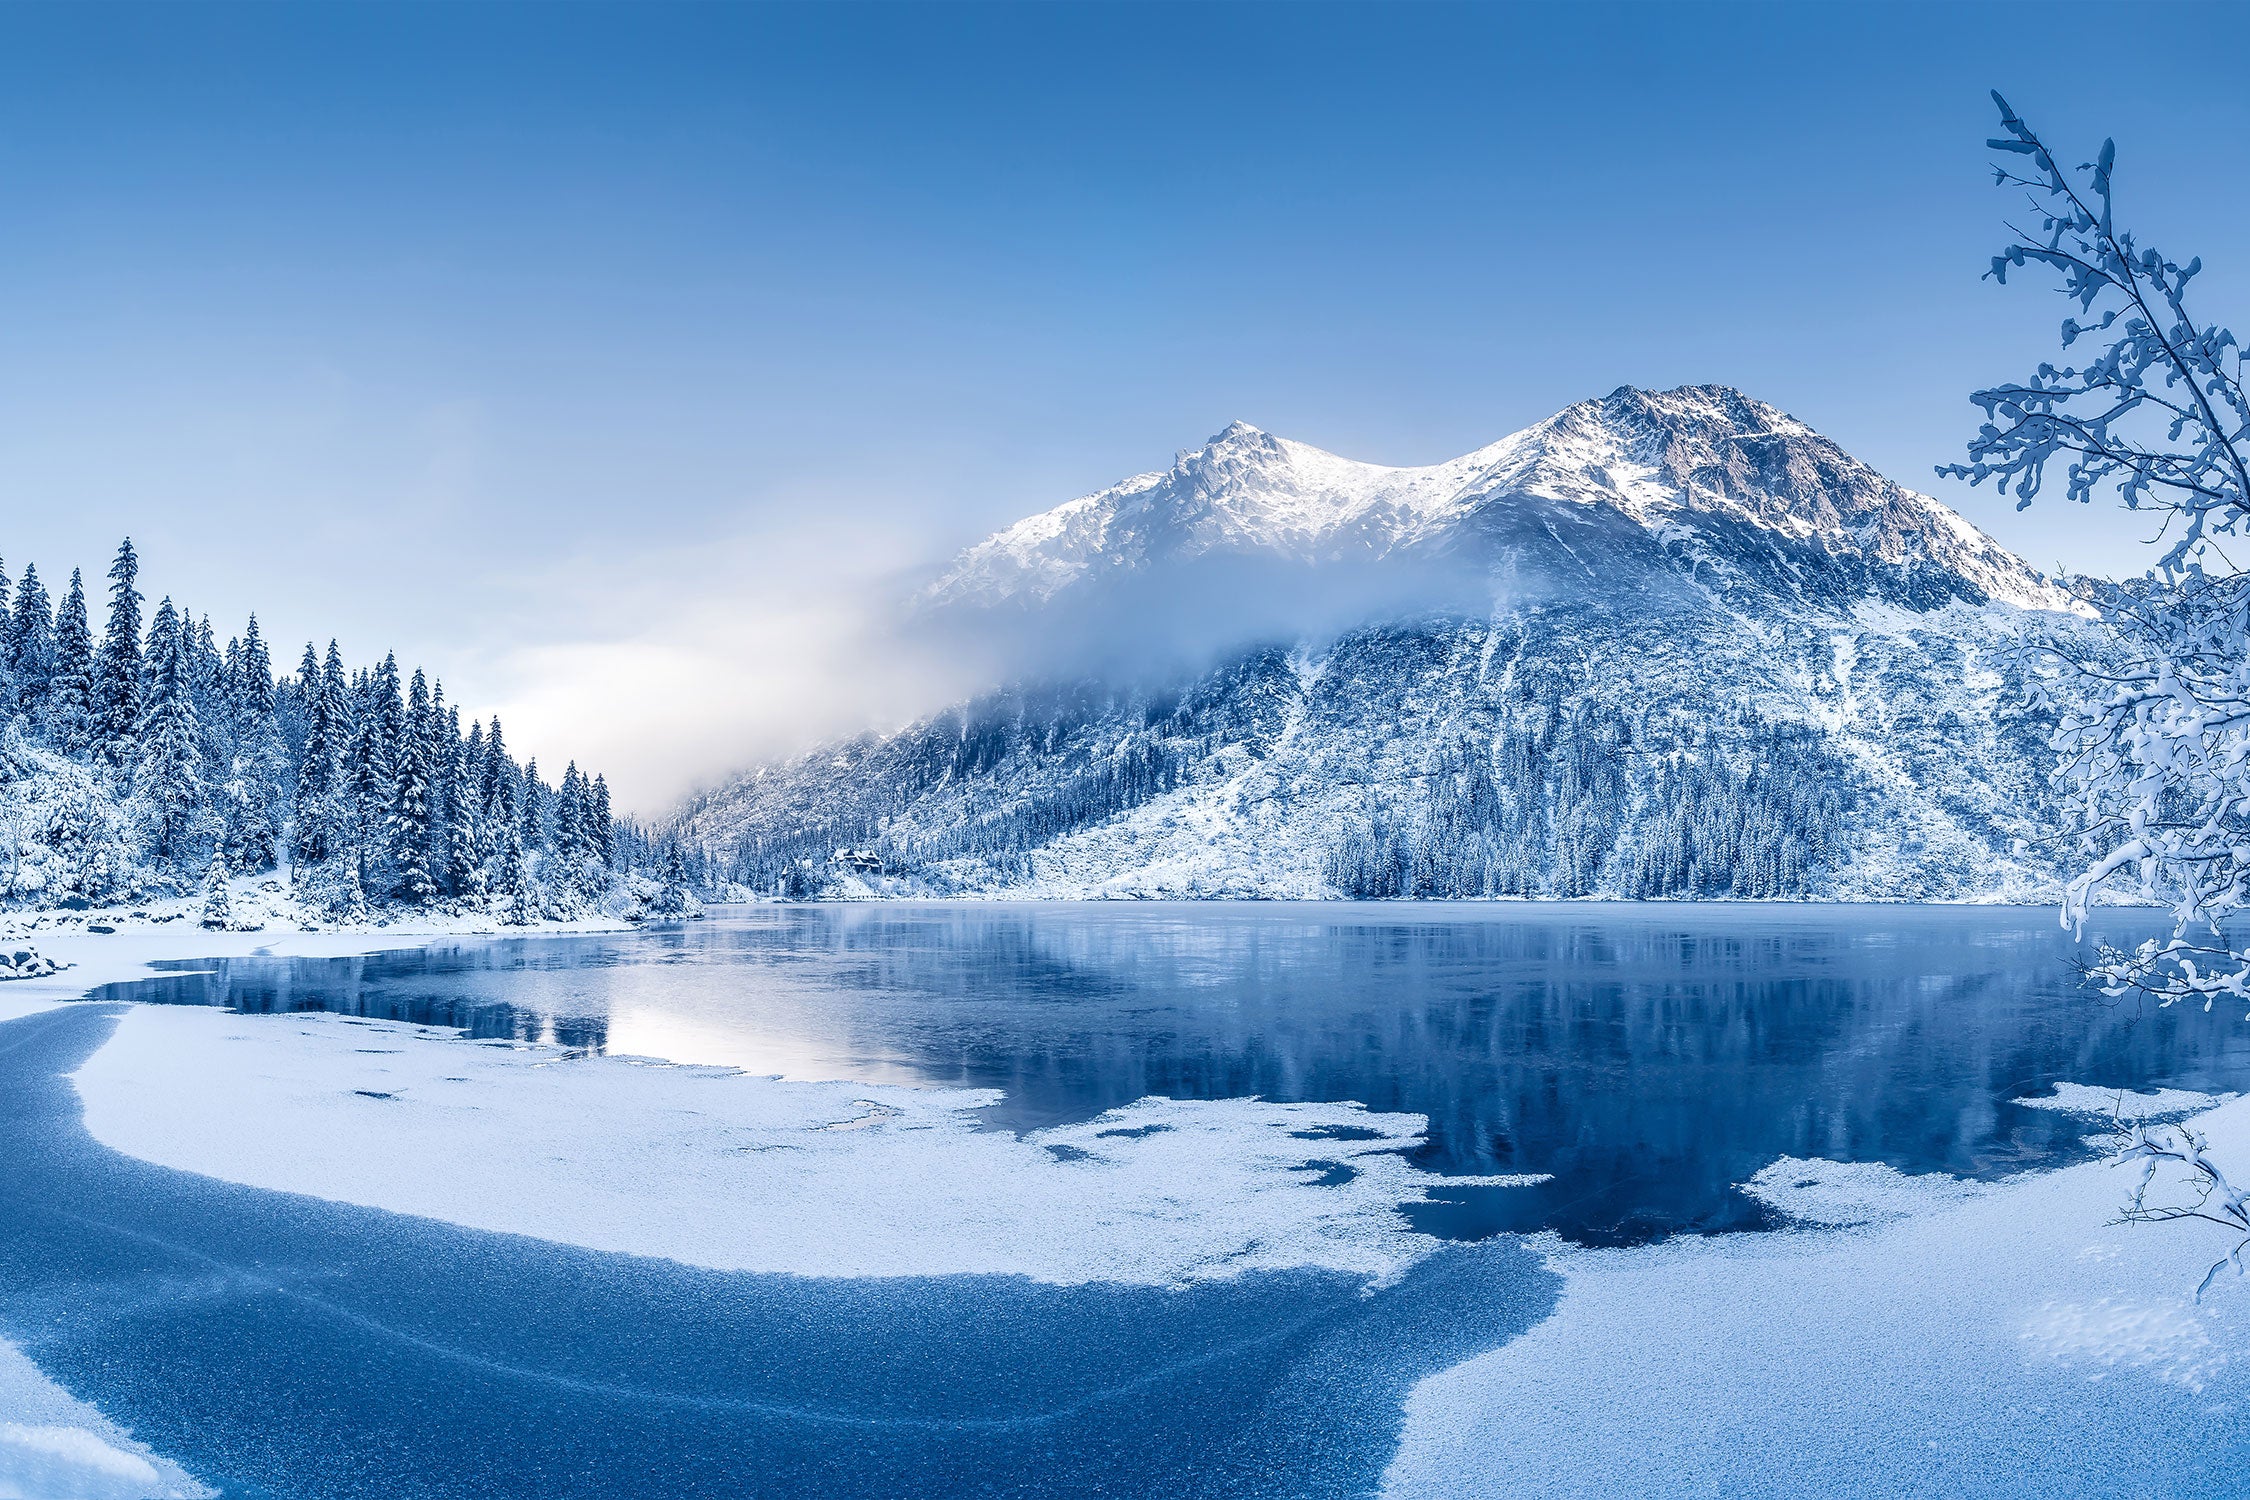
(1665,461)
(1707,653)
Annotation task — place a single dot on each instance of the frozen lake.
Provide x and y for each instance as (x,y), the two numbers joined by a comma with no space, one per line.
(1649,1058)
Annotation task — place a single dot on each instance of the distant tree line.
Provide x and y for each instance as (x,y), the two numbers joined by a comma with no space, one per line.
(1546,792)
(151,756)
(1549,810)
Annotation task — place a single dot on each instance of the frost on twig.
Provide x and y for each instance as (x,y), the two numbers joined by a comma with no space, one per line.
(2153,733)
(2153,725)
(2208,1194)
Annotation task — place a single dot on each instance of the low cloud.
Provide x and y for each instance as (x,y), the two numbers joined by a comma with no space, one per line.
(678,667)
(1188,616)
(689,663)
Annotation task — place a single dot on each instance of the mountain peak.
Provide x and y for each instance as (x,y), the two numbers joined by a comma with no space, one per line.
(1709,479)
(1711,408)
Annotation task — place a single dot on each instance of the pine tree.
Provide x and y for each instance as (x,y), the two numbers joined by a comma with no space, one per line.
(218,906)
(604,828)
(531,806)
(31,643)
(496,815)
(117,669)
(409,829)
(672,894)
(206,674)
(7,666)
(70,714)
(513,899)
(168,779)
(257,763)
(370,780)
(499,779)
(312,833)
(464,856)
(576,854)
(251,689)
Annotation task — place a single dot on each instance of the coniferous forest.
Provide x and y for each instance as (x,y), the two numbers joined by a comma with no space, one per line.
(147,759)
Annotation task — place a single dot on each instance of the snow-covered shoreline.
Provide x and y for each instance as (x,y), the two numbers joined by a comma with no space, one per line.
(733,1171)
(1904,1322)
(1935,1337)
(51,1443)
(165,932)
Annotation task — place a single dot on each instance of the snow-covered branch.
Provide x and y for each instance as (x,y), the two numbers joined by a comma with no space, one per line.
(2153,740)
(2209,1195)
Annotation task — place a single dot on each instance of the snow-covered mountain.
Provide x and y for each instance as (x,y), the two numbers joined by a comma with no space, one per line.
(1730,488)
(1706,652)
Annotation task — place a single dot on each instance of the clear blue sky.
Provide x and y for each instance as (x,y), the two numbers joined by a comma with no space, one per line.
(528,338)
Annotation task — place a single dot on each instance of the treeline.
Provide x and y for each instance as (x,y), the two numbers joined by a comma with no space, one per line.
(1576,806)
(148,759)
(800,863)
(1015,772)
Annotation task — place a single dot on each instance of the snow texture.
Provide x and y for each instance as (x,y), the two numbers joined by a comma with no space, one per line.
(2009,1341)
(1840,1194)
(2125,1104)
(54,1447)
(716,1168)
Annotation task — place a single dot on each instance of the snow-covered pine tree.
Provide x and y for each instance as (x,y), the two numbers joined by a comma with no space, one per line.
(464,858)
(7,667)
(577,855)
(206,676)
(69,715)
(311,836)
(438,755)
(514,900)
(370,782)
(503,795)
(498,786)
(408,843)
(117,667)
(168,776)
(603,825)
(531,807)
(31,643)
(258,765)
(218,906)
(672,892)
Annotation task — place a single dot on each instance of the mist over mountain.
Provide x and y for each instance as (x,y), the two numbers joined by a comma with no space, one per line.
(1663,643)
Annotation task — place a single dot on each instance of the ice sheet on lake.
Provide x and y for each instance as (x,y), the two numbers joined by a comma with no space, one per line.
(1837,1194)
(54,1447)
(2124,1104)
(2010,1339)
(716,1168)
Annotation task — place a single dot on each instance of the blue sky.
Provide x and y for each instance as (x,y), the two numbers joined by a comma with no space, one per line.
(536,341)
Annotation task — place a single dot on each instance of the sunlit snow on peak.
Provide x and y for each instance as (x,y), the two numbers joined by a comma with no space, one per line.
(1688,467)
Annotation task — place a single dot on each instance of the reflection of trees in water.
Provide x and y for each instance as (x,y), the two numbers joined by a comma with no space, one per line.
(384,987)
(1649,1058)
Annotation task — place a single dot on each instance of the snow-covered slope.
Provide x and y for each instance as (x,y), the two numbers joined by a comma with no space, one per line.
(1713,654)
(1688,468)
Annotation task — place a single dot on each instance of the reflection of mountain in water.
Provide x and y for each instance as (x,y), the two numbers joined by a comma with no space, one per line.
(1648,1057)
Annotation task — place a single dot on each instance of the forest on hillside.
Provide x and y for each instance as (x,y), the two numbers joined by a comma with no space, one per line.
(152,760)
